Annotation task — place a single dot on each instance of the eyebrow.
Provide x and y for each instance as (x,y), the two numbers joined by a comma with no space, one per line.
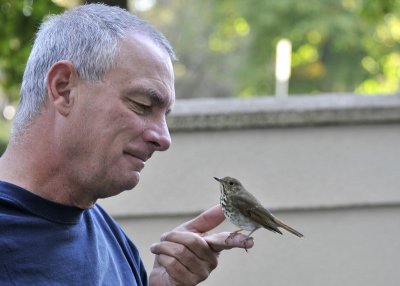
(155,97)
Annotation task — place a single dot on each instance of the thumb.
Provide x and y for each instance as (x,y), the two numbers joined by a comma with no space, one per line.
(204,222)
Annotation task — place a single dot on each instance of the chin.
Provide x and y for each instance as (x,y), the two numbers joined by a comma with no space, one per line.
(122,183)
(132,181)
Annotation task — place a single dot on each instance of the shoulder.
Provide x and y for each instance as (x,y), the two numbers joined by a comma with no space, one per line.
(104,218)
(107,225)
(117,239)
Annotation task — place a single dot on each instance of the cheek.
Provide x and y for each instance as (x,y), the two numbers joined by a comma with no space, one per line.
(108,129)
(130,124)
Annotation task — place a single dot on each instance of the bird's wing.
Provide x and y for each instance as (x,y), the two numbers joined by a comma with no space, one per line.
(250,207)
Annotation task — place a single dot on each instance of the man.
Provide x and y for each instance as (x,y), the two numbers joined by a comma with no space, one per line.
(95,94)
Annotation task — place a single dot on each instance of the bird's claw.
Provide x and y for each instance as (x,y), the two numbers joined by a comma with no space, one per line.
(231,236)
(244,241)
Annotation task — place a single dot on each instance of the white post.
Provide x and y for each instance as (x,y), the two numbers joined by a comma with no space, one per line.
(282,68)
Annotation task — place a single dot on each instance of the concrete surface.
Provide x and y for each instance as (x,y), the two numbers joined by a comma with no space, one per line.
(328,165)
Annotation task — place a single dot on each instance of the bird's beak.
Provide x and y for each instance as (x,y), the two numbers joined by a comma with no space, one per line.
(219,180)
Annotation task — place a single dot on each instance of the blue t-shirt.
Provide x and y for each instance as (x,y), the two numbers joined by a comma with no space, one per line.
(46,243)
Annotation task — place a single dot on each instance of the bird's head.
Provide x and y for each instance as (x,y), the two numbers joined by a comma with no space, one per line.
(229,185)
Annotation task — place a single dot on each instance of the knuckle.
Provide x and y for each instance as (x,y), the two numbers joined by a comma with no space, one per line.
(173,264)
(192,239)
(203,275)
(180,250)
(213,264)
(165,236)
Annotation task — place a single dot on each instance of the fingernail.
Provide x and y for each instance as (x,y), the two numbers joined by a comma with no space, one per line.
(164,236)
(249,242)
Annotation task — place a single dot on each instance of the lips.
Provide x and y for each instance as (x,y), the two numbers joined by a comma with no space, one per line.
(142,156)
(138,156)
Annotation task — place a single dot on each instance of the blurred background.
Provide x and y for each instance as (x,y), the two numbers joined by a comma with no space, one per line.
(227,48)
(298,99)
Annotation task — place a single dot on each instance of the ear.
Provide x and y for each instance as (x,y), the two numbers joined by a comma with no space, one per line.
(62,78)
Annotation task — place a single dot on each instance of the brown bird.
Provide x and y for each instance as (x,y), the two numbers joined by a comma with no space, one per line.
(245,211)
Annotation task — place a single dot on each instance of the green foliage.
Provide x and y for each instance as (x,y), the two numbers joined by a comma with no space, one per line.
(227,47)
(331,41)
(5,127)
(19,21)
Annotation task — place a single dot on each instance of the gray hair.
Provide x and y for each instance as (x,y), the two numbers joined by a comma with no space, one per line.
(88,36)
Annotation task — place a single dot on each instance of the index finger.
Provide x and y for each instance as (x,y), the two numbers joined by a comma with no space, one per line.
(204,222)
(225,240)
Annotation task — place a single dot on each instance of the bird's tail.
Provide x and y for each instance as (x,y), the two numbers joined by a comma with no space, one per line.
(286,227)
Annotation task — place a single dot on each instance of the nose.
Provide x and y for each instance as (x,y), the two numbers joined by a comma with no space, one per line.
(158,135)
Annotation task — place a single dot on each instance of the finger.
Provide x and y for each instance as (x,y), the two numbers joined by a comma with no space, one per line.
(184,256)
(224,240)
(204,222)
(177,272)
(194,243)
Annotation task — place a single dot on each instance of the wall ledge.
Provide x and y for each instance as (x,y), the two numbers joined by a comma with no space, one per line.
(303,110)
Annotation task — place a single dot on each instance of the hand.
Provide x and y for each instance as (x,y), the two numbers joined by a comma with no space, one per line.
(188,254)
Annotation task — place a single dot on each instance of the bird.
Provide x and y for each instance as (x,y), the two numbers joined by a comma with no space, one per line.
(245,211)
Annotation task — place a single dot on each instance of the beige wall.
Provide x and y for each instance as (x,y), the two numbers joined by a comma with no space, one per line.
(336,181)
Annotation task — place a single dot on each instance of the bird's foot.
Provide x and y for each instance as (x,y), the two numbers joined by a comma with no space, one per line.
(244,241)
(232,235)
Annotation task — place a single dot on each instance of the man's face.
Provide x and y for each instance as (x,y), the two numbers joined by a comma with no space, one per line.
(120,121)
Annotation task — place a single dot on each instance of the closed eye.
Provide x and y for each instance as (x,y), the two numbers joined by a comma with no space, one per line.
(143,107)
(138,107)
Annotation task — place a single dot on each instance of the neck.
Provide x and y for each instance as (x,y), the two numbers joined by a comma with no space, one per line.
(33,162)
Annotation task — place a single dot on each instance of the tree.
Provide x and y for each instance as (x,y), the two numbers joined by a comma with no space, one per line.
(227,47)
(18,23)
(337,45)
(120,3)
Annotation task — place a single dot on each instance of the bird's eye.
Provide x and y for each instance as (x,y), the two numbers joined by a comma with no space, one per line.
(231,183)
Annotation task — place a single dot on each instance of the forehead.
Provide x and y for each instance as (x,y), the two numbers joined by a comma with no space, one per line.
(143,40)
(140,63)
